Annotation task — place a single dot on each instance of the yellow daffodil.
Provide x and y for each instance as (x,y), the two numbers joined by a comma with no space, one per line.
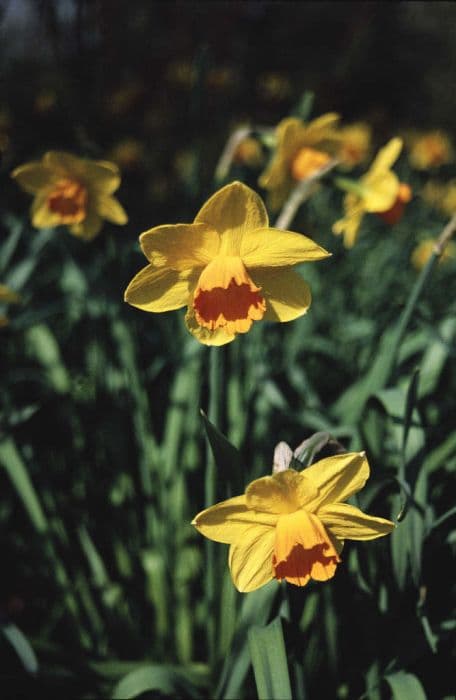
(430,150)
(128,153)
(228,267)
(301,150)
(442,196)
(249,152)
(375,192)
(424,250)
(355,142)
(292,525)
(71,191)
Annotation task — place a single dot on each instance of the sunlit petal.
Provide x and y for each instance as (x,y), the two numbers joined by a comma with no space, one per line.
(347,522)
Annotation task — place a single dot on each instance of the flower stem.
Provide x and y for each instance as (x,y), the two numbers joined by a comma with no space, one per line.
(215,417)
(406,315)
(300,193)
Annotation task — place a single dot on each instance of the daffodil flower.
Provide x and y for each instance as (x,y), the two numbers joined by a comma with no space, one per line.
(430,150)
(228,267)
(301,150)
(375,192)
(292,525)
(424,250)
(354,144)
(71,191)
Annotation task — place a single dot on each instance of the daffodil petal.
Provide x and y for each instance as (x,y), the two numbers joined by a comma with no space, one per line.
(349,225)
(272,247)
(387,156)
(325,121)
(347,522)
(109,208)
(159,290)
(217,337)
(230,520)
(381,191)
(232,212)
(63,163)
(180,246)
(89,227)
(40,213)
(337,478)
(33,177)
(102,175)
(250,561)
(287,295)
(99,175)
(283,492)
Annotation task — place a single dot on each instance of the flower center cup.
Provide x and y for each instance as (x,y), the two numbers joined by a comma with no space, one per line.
(68,199)
(226,297)
(307,161)
(303,549)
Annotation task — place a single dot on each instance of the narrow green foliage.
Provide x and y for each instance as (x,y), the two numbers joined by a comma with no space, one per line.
(269,661)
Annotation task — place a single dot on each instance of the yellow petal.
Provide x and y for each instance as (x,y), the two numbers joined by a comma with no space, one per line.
(349,225)
(33,177)
(217,337)
(232,211)
(337,478)
(272,247)
(159,290)
(101,175)
(287,295)
(41,215)
(283,492)
(381,191)
(98,175)
(387,156)
(89,227)
(180,246)
(325,121)
(250,560)
(347,522)
(109,208)
(63,163)
(229,520)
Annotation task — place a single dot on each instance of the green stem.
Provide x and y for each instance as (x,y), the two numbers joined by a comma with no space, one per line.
(421,282)
(215,416)
(302,191)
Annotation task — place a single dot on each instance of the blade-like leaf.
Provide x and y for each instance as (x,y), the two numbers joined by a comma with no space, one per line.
(269,660)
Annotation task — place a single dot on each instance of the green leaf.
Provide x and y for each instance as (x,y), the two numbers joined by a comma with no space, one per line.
(303,109)
(405,686)
(255,609)
(227,456)
(410,403)
(12,461)
(269,660)
(43,345)
(21,647)
(162,678)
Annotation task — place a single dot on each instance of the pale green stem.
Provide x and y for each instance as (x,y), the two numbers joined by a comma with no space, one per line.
(302,191)
(229,152)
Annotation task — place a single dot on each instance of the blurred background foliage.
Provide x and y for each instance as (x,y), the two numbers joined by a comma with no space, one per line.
(102,448)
